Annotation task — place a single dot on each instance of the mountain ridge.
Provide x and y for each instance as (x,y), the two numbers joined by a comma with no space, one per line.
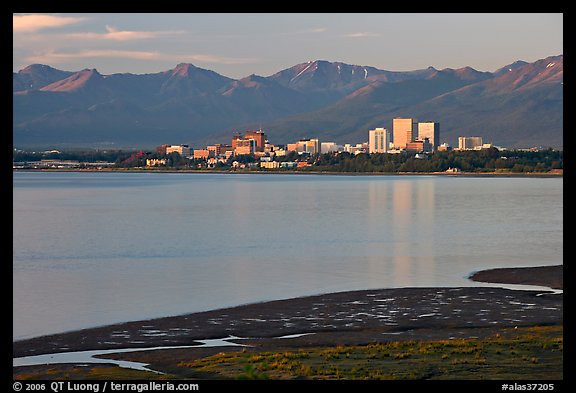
(332,100)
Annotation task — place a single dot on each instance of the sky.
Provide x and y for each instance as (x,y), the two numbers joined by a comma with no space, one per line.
(240,44)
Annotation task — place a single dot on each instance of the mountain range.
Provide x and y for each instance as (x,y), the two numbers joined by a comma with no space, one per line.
(518,105)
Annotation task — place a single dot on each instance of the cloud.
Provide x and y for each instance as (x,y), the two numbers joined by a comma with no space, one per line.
(361,34)
(114,34)
(60,57)
(54,57)
(203,58)
(35,22)
(312,30)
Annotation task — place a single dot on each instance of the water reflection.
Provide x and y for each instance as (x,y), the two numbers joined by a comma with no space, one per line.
(86,255)
(402,212)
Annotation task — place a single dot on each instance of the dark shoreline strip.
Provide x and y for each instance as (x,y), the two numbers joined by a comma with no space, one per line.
(388,311)
(290,172)
(401,310)
(547,276)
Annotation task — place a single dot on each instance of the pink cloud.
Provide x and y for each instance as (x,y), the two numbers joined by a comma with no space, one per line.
(35,22)
(113,34)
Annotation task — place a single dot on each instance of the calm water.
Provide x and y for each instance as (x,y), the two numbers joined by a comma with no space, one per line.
(92,249)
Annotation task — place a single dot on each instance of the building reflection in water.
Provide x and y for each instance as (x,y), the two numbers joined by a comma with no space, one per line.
(380,230)
(402,211)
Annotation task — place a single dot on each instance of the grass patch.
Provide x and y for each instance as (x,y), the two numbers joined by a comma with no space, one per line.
(532,353)
(75,372)
(526,353)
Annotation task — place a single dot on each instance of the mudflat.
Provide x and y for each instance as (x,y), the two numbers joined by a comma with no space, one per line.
(548,276)
(353,317)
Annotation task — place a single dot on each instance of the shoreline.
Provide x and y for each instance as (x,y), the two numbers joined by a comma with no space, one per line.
(349,317)
(548,276)
(555,174)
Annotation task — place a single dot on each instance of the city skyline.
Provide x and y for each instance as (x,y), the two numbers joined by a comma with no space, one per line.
(237,45)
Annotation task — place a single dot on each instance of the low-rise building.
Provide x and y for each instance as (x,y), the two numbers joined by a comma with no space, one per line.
(245,146)
(453,170)
(310,146)
(211,162)
(203,154)
(183,150)
(470,142)
(270,164)
(155,161)
(359,148)
(328,147)
(161,149)
(219,149)
(419,145)
(292,147)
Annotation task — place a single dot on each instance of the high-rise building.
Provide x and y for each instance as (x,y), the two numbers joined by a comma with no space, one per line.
(312,145)
(404,131)
(469,142)
(430,130)
(258,136)
(378,140)
(235,138)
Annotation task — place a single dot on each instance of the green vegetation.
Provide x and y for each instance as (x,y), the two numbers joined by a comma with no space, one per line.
(81,155)
(76,372)
(529,353)
(486,160)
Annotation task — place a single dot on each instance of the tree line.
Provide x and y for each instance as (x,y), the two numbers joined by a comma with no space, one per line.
(485,160)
